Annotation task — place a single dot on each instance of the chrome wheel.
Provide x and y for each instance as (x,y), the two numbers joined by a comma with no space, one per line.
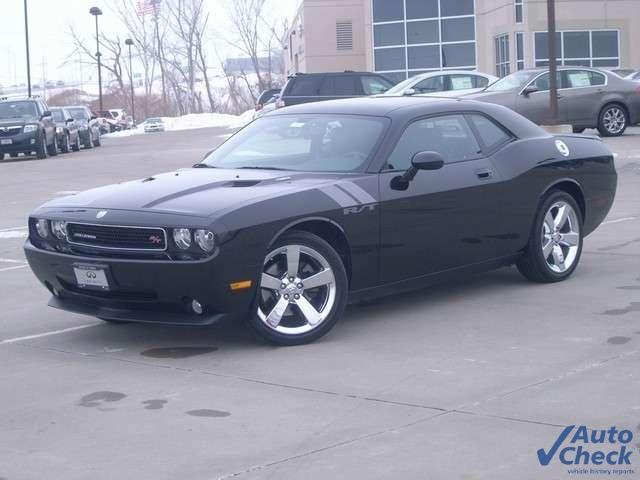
(297,290)
(614,120)
(560,237)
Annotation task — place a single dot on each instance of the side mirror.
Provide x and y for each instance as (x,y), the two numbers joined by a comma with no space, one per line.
(420,161)
(69,120)
(529,89)
(45,114)
(409,91)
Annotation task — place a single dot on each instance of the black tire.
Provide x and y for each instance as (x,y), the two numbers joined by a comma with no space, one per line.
(13,155)
(533,265)
(578,129)
(612,109)
(52,149)
(109,320)
(41,152)
(76,146)
(334,261)
(65,144)
(88,143)
(97,142)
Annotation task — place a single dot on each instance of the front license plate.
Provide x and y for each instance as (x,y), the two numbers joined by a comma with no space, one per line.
(91,276)
(6,141)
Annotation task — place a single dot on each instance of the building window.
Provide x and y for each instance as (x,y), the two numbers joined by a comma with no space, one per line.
(586,48)
(344,35)
(519,10)
(502,55)
(414,36)
(519,51)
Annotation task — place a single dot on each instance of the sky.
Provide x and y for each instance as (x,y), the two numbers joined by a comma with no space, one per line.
(50,45)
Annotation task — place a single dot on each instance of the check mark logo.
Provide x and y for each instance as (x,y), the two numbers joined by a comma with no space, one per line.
(545,457)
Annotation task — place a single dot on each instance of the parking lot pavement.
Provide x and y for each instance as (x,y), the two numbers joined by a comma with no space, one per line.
(462,380)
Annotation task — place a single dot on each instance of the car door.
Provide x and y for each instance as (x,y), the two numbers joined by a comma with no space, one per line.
(583,95)
(445,218)
(535,105)
(47,121)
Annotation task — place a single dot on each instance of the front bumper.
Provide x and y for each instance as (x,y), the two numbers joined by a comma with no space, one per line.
(22,142)
(152,291)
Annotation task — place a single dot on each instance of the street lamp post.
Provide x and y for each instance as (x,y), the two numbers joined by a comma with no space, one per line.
(129,43)
(26,36)
(95,11)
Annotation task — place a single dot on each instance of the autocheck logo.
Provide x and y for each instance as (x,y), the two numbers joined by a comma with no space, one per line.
(591,451)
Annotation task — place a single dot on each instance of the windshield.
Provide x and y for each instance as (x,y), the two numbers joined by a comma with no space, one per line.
(78,113)
(153,120)
(310,142)
(399,88)
(58,116)
(515,81)
(26,110)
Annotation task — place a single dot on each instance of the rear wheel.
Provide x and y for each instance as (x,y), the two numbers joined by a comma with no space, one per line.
(302,290)
(76,146)
(41,153)
(555,243)
(97,142)
(13,155)
(88,143)
(52,149)
(612,121)
(65,144)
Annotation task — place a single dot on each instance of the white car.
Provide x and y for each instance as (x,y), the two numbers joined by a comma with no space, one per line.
(444,83)
(155,124)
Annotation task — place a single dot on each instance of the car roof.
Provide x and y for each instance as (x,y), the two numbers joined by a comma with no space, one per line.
(404,109)
(331,74)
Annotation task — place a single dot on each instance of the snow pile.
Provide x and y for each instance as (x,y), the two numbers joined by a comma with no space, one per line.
(193,121)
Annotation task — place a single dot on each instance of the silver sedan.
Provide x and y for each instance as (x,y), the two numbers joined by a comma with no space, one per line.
(587,98)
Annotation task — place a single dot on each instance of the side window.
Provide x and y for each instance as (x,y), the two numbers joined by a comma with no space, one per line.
(374,85)
(449,135)
(490,133)
(542,82)
(305,86)
(461,82)
(581,78)
(428,85)
(597,78)
(481,82)
(327,87)
(345,85)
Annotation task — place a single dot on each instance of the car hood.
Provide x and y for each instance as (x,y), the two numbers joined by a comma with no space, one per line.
(14,122)
(201,192)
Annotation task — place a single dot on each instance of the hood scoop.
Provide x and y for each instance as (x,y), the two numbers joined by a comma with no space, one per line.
(243,183)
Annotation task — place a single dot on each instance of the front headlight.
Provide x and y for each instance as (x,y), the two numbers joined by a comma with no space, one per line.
(42,227)
(182,238)
(30,128)
(59,229)
(205,239)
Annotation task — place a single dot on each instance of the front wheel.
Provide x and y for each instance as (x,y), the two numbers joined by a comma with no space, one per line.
(66,141)
(53,148)
(41,153)
(302,291)
(612,121)
(555,243)
(97,142)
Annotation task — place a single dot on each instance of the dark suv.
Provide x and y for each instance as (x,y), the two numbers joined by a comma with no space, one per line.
(312,87)
(26,126)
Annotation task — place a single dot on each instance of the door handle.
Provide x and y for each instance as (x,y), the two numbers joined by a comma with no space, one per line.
(485,174)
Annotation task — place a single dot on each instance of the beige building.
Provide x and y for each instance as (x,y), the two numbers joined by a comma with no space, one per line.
(401,38)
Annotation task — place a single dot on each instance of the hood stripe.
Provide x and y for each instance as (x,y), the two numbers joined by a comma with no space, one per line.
(338,196)
(356,191)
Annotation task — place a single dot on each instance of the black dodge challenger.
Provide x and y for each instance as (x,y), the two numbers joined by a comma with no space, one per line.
(316,205)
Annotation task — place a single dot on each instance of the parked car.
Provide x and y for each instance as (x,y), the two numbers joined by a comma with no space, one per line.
(87,125)
(108,122)
(369,197)
(123,120)
(155,124)
(312,87)
(67,130)
(266,97)
(26,126)
(447,83)
(587,98)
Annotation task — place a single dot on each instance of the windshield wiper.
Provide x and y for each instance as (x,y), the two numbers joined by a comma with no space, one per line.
(255,167)
(203,165)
